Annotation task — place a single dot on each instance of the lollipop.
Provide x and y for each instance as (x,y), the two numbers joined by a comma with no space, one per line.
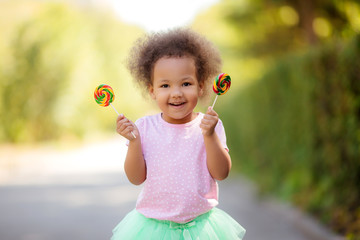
(104,96)
(221,85)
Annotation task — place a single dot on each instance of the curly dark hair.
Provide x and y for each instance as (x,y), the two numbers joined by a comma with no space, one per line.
(178,42)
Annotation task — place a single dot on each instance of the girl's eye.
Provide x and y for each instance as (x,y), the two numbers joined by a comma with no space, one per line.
(164,86)
(186,84)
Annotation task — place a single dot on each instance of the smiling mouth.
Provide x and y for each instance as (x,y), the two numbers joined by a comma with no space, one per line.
(177,104)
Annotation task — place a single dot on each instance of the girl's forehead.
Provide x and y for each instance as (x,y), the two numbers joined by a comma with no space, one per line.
(171,64)
(174,65)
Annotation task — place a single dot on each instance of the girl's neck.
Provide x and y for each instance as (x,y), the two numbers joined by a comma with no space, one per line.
(184,120)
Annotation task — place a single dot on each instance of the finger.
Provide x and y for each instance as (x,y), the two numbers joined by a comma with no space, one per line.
(130,133)
(120,117)
(210,118)
(124,120)
(130,125)
(205,127)
(206,121)
(209,110)
(127,133)
(122,127)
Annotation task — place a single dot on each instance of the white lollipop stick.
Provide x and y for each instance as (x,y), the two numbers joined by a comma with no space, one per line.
(114,109)
(214,101)
(118,115)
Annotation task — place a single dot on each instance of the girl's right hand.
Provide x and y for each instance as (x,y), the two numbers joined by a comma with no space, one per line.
(125,128)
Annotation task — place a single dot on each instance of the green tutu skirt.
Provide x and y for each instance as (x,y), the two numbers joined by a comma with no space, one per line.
(213,225)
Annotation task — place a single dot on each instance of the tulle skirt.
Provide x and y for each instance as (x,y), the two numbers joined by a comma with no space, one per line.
(213,225)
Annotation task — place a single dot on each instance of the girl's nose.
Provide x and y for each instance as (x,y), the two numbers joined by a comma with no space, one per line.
(176,92)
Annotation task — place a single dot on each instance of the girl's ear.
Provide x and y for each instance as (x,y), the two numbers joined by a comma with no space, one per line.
(201,89)
(151,91)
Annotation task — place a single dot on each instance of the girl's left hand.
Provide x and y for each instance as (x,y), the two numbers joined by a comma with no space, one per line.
(209,122)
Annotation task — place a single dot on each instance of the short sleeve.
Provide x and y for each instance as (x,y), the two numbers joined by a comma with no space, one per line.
(220,131)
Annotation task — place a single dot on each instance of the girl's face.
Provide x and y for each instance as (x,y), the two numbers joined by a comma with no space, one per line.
(175,88)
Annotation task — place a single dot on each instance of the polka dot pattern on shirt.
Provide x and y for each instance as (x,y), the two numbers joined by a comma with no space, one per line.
(178,185)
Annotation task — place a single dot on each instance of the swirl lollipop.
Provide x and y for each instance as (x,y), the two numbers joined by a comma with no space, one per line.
(104,96)
(221,85)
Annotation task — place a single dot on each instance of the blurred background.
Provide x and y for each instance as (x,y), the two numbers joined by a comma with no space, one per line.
(292,114)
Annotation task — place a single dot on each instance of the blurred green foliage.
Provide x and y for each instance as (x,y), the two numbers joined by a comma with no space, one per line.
(293,112)
(297,132)
(53,55)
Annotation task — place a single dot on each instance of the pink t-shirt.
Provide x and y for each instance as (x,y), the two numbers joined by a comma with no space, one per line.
(178,184)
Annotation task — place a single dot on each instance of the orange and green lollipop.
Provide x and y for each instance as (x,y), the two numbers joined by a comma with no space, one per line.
(104,96)
(221,85)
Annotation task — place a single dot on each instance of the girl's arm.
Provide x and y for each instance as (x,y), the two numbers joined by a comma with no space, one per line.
(134,166)
(218,159)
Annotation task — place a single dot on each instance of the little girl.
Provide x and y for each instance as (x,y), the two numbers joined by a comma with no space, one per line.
(178,154)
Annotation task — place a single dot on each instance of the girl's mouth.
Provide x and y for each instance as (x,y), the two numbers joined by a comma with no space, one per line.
(177,104)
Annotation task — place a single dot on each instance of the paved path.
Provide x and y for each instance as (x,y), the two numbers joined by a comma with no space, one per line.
(82,194)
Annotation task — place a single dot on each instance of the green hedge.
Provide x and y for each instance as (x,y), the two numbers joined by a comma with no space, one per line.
(296,132)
